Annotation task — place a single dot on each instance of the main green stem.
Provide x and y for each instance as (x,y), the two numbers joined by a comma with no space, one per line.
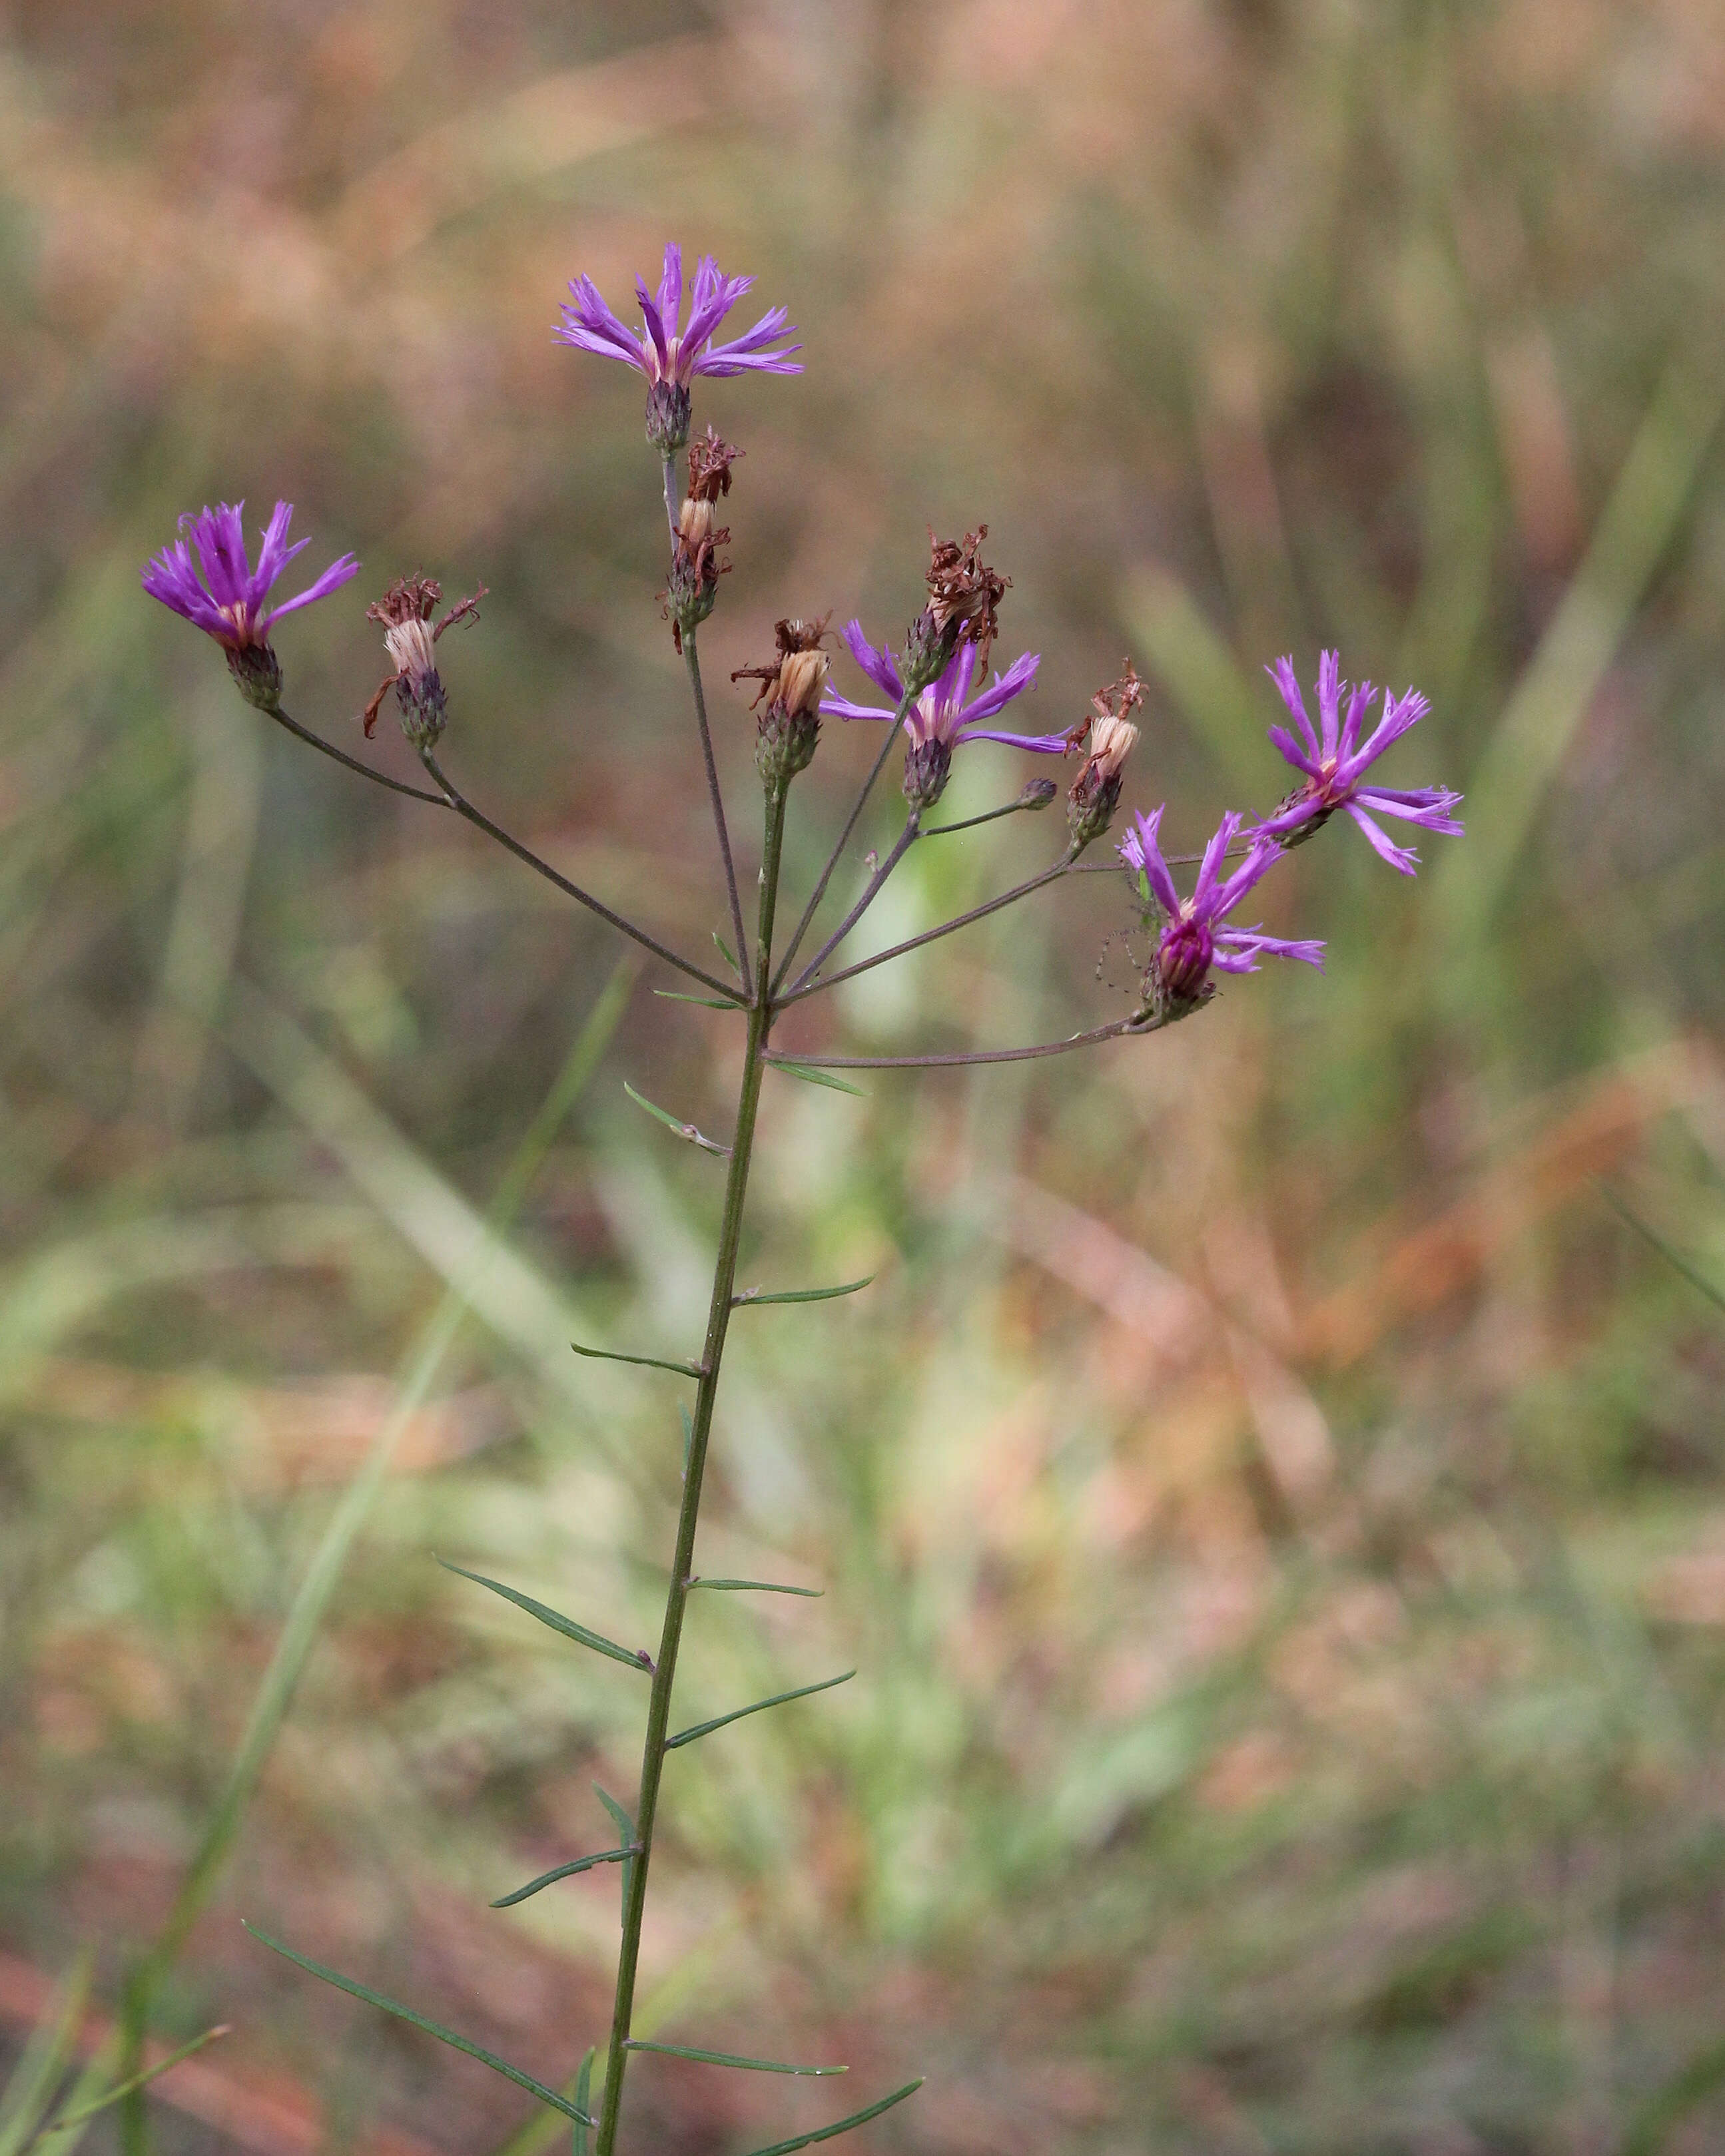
(718,1319)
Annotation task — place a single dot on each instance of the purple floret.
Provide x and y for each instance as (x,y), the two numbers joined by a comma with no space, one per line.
(662,353)
(1194,938)
(947,711)
(1333,763)
(218,590)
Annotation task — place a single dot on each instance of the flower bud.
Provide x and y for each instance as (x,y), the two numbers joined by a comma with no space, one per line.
(1095,793)
(788,726)
(667,417)
(1038,793)
(257,674)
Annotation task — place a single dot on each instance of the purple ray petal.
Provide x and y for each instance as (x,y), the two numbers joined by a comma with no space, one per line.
(1357,704)
(1292,753)
(334,577)
(877,665)
(1238,950)
(841,707)
(172,578)
(1431,815)
(704,318)
(1039,744)
(1142,849)
(1220,840)
(671,287)
(1402,858)
(656,328)
(1263,854)
(1399,714)
(1000,691)
(1329,700)
(274,554)
(1287,681)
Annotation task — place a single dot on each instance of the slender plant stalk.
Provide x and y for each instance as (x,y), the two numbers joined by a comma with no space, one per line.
(353,763)
(901,846)
(452,798)
(1139,1022)
(843,840)
(692,660)
(808,988)
(718,1318)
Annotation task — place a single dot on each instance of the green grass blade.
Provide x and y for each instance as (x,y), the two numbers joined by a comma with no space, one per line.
(564,1871)
(626,1827)
(753,1294)
(811,1076)
(419,2021)
(644,1362)
(843,2125)
(760,1706)
(682,1130)
(759,1586)
(84,2111)
(727,2058)
(46,2054)
(583,2101)
(640,1660)
(1674,1259)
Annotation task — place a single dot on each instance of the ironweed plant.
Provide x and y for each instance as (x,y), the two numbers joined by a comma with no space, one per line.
(938,691)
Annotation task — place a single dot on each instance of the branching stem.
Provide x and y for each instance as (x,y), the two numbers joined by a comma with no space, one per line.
(844,839)
(718,1318)
(692,660)
(1139,1022)
(907,837)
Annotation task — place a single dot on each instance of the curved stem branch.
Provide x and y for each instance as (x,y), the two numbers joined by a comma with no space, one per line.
(452,798)
(906,839)
(692,660)
(844,839)
(352,762)
(682,1566)
(1062,867)
(1140,1022)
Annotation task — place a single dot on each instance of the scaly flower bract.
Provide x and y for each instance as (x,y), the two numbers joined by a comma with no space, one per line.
(220,592)
(1194,938)
(1333,763)
(664,353)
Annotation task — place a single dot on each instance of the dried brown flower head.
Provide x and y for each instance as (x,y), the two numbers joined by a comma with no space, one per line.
(798,672)
(710,461)
(405,611)
(1096,790)
(963,589)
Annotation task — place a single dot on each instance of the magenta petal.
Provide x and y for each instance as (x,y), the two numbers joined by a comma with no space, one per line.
(1141,850)
(841,707)
(877,665)
(1287,681)
(988,702)
(656,328)
(1038,744)
(671,287)
(1292,752)
(1401,858)
(338,573)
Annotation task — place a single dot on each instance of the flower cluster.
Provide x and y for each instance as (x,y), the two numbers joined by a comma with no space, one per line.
(211,582)
(1194,937)
(671,357)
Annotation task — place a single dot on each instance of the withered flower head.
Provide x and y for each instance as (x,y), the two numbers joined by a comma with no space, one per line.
(695,566)
(1095,793)
(789,724)
(963,596)
(710,461)
(404,613)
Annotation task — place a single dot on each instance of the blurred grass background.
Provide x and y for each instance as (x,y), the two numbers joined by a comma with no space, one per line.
(1274,1501)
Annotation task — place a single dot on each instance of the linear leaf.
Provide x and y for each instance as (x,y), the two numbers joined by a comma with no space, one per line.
(811,1076)
(778,1699)
(431,2028)
(753,1294)
(45,2056)
(843,2125)
(726,2058)
(138,2081)
(645,1362)
(564,1871)
(583,2101)
(638,1660)
(760,1587)
(688,1131)
(707,1002)
(1675,1258)
(724,953)
(626,1827)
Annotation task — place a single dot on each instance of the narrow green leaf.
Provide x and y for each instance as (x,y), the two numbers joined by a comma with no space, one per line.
(688,1131)
(843,2125)
(726,2058)
(626,1827)
(760,1587)
(564,1871)
(811,1076)
(753,1294)
(419,2021)
(583,2101)
(46,2054)
(645,1361)
(778,1699)
(138,2081)
(707,1002)
(640,1660)
(1675,1258)
(724,953)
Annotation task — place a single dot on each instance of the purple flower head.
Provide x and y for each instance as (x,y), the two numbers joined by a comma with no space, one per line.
(220,592)
(1194,938)
(663,352)
(1333,763)
(952,709)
